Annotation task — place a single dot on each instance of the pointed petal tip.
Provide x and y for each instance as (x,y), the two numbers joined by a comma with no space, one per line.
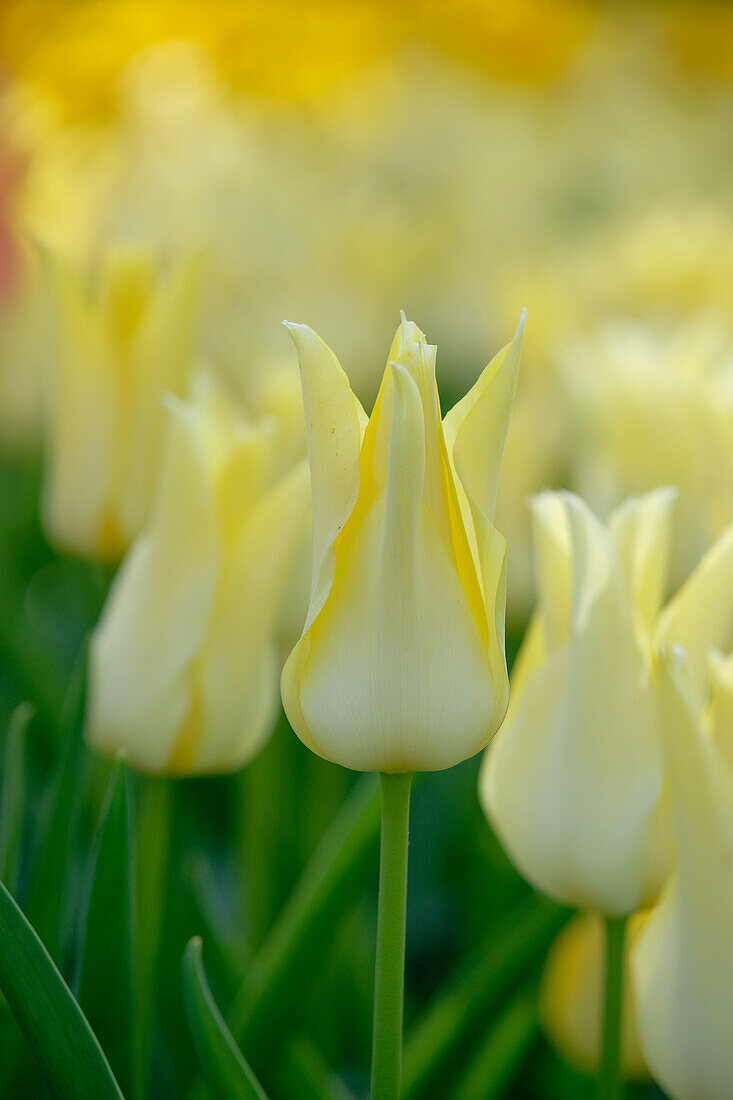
(519,332)
(400,373)
(403,317)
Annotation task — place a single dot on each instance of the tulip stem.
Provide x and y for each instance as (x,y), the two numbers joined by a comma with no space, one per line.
(609,1071)
(389,978)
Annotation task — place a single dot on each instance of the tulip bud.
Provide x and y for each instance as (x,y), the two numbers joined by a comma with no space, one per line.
(400,666)
(184,662)
(571,996)
(573,781)
(116,353)
(683,961)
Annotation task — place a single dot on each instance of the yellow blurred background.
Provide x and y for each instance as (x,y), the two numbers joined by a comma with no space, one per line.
(335,162)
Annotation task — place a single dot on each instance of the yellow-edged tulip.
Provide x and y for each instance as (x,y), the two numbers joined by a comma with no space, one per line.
(401,666)
(573,781)
(683,961)
(570,996)
(185,661)
(116,353)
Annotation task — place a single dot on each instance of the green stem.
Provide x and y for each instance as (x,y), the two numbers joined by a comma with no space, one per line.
(389,979)
(609,1070)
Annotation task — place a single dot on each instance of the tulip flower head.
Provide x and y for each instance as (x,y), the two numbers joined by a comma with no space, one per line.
(683,961)
(573,781)
(570,996)
(185,661)
(401,665)
(116,354)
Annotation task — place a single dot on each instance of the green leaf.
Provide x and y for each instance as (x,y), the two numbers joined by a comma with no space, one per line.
(490,1071)
(50,891)
(105,975)
(12,797)
(304,1074)
(65,1048)
(333,878)
(154,810)
(221,1060)
(460,1011)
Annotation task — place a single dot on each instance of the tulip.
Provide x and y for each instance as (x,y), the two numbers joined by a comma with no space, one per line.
(185,660)
(116,353)
(573,781)
(401,665)
(570,997)
(683,961)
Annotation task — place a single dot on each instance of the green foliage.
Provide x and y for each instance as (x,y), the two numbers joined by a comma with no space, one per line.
(49,894)
(105,969)
(12,795)
(275,868)
(220,1058)
(62,1042)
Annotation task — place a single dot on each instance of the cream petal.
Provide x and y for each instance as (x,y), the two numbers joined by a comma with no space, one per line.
(239,670)
(492,555)
(571,996)
(553,567)
(720,713)
(335,424)
(642,530)
(700,617)
(595,566)
(580,746)
(395,677)
(683,962)
(475,429)
(80,415)
(157,612)
(160,361)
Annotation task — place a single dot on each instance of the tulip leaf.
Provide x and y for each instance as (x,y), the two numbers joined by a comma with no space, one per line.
(12,796)
(49,893)
(221,1060)
(459,1012)
(502,1050)
(304,1073)
(153,823)
(333,878)
(105,983)
(65,1048)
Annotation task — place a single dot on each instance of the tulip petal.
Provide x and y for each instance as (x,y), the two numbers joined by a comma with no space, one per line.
(571,996)
(720,714)
(396,647)
(642,529)
(700,617)
(475,429)
(238,669)
(335,424)
(81,422)
(553,567)
(579,746)
(159,362)
(157,612)
(683,962)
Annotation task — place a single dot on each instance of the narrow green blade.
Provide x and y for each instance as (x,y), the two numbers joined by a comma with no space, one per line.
(332,880)
(221,1060)
(461,1010)
(12,796)
(48,900)
(105,960)
(489,1073)
(65,1048)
